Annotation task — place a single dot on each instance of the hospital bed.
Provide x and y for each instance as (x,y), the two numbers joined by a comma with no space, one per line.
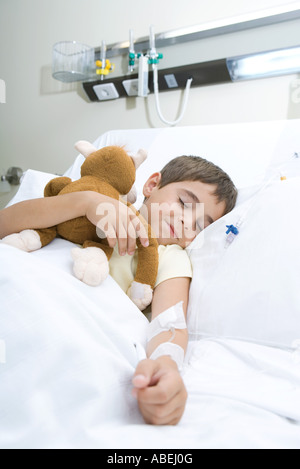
(68,351)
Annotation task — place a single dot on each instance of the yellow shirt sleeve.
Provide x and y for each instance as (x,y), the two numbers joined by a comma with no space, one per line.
(174,262)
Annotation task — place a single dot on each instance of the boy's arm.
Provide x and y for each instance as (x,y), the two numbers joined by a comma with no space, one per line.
(120,225)
(158,386)
(42,213)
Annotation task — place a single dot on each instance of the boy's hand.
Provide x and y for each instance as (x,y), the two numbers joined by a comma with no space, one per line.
(117,222)
(160,391)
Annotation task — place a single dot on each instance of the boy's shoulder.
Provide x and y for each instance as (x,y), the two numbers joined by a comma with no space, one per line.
(172,253)
(173,262)
(170,249)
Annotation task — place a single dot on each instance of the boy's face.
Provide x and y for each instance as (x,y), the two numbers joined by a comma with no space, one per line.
(179,211)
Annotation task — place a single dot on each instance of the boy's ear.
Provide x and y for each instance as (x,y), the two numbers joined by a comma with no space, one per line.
(152,183)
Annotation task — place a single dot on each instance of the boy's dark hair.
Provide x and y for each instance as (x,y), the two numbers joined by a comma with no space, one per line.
(195,168)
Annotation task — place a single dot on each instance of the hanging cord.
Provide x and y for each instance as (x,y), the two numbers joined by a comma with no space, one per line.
(156,92)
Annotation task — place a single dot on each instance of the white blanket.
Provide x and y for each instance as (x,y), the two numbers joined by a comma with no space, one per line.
(71,354)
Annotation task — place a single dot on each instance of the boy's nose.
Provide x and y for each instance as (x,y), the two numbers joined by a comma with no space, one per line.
(189,226)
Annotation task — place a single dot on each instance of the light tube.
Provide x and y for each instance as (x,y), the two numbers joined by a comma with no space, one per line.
(265,64)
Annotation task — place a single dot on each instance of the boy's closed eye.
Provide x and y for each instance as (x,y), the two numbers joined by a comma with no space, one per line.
(190,202)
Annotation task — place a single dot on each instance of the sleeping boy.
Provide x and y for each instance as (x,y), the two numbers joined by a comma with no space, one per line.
(171,206)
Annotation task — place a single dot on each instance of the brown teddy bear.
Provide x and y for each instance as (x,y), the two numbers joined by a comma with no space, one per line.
(109,171)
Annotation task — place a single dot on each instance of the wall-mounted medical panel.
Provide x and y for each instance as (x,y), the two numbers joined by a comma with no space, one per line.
(200,54)
(207,73)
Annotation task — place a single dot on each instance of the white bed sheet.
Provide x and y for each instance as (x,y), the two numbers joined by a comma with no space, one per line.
(70,356)
(71,349)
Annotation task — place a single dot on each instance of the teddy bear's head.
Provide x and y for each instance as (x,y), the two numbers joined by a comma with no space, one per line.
(111,164)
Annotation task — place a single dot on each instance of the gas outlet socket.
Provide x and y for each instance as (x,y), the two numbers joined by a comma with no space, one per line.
(106,91)
(132,87)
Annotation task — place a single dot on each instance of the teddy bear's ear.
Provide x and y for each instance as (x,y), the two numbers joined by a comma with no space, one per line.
(85,148)
(139,158)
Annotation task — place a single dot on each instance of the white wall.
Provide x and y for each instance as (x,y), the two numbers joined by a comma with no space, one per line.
(42,119)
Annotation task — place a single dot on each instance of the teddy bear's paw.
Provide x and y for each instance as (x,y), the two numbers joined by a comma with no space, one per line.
(90,265)
(141,294)
(27,240)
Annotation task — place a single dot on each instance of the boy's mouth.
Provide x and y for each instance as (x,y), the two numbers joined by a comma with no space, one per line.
(173,232)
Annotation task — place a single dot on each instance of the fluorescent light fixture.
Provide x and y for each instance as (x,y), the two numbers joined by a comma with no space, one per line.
(260,17)
(265,64)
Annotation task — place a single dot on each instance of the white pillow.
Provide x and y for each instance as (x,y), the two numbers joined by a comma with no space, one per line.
(245,151)
(251,290)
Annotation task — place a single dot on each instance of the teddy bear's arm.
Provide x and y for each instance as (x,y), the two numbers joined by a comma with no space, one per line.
(46,235)
(147,267)
(56,185)
(141,289)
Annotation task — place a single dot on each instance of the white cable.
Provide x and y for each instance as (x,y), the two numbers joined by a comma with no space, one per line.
(156,92)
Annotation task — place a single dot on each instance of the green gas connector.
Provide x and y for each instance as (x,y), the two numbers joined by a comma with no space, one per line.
(153,61)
